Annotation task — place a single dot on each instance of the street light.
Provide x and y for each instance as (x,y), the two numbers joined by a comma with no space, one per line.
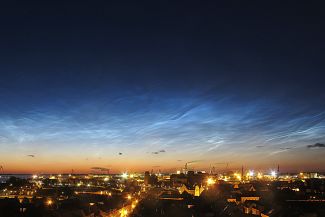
(259,175)
(123,212)
(49,202)
(210,181)
(238,176)
(124,175)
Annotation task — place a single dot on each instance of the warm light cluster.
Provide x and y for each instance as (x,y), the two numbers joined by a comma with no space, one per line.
(211,181)
(123,212)
(49,202)
(125,175)
(237,176)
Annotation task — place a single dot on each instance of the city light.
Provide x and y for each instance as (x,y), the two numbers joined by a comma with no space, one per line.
(251,173)
(129,197)
(49,202)
(237,176)
(123,212)
(211,181)
(273,173)
(259,175)
(125,175)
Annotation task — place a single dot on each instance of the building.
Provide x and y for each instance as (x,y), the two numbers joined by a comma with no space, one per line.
(197,191)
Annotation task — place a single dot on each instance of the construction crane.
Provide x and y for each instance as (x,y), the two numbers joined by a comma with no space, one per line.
(189,163)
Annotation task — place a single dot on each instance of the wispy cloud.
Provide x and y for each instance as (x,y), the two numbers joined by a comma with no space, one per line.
(166,126)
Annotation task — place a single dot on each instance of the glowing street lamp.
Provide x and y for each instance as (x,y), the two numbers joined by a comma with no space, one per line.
(273,174)
(210,181)
(124,175)
(259,175)
(238,176)
(123,212)
(49,202)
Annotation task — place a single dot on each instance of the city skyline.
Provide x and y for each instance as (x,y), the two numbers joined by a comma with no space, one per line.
(135,88)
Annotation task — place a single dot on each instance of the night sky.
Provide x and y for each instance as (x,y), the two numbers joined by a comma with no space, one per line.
(163,83)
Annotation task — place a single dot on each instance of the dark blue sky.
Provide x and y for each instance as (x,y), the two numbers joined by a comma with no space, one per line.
(219,81)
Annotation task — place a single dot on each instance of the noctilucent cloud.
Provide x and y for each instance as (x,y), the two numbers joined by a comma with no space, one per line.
(102,88)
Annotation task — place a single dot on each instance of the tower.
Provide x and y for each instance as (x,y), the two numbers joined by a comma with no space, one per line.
(242,172)
(146,178)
